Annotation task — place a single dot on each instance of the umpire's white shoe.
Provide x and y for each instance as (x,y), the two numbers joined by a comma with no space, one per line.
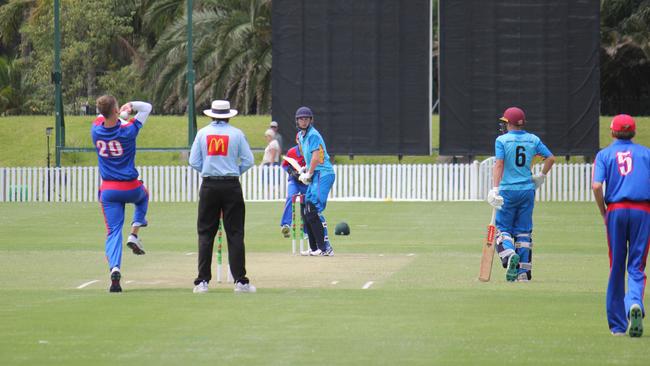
(135,244)
(636,321)
(202,287)
(244,288)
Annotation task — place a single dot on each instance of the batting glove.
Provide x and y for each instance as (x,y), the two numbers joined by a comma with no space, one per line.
(539,179)
(305,178)
(494,199)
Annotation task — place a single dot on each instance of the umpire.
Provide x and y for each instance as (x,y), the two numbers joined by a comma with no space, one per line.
(221,154)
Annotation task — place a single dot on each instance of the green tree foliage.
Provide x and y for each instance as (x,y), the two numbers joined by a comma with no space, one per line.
(90,44)
(138,49)
(625,56)
(11,94)
(625,22)
(232,56)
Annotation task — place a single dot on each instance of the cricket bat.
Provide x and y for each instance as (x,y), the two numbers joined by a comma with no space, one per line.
(293,162)
(488,251)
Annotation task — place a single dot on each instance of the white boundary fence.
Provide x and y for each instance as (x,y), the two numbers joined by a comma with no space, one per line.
(399,182)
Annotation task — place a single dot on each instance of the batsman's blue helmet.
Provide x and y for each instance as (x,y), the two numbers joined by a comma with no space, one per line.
(304,112)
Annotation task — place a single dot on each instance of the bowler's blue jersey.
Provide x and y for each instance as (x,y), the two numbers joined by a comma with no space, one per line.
(625,168)
(116,149)
(312,143)
(517,150)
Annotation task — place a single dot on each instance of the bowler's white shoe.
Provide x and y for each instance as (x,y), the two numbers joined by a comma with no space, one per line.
(244,287)
(135,244)
(201,288)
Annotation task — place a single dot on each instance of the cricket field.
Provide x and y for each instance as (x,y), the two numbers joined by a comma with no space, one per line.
(402,289)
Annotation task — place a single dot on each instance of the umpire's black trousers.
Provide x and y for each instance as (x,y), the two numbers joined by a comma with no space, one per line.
(219,194)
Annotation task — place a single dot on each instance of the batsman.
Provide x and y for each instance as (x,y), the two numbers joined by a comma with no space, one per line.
(319,176)
(514,193)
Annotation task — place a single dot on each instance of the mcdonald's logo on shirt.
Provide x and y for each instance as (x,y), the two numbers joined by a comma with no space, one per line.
(217,145)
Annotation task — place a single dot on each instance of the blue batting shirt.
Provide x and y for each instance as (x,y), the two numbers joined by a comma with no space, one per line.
(311,142)
(625,168)
(517,150)
(220,149)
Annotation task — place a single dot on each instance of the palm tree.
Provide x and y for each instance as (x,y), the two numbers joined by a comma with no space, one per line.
(232,49)
(11,96)
(12,16)
(625,22)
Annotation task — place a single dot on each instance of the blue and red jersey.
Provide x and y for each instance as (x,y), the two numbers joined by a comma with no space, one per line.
(625,168)
(294,153)
(116,147)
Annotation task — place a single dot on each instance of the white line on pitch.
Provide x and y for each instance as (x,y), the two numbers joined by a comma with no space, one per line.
(410,254)
(367,285)
(87,284)
(130,281)
(335,282)
(190,253)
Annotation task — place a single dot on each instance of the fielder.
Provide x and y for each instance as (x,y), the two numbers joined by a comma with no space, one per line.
(319,176)
(294,186)
(115,142)
(514,193)
(625,168)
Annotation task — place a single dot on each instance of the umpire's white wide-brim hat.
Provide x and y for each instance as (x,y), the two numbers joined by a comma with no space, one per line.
(220,109)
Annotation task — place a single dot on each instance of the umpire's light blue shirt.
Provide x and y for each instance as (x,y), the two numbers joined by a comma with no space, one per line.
(220,149)
(517,150)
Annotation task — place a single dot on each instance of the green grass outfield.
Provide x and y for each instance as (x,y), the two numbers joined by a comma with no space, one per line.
(24,144)
(425,306)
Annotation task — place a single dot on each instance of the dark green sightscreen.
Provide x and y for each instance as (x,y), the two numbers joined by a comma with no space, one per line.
(363,66)
(542,56)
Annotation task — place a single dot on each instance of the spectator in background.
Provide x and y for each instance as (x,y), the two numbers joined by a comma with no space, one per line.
(272,150)
(278,137)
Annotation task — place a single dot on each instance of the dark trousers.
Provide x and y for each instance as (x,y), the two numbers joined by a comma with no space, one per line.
(216,196)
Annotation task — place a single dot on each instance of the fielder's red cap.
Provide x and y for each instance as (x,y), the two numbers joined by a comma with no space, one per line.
(623,122)
(514,115)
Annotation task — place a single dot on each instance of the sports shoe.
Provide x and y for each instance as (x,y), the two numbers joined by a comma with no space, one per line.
(135,244)
(522,277)
(115,280)
(244,288)
(305,253)
(285,231)
(201,288)
(619,334)
(636,321)
(329,252)
(511,272)
(315,253)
